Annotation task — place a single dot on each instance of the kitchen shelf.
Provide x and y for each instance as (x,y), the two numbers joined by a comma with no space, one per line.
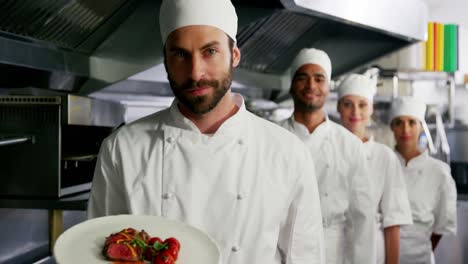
(423,76)
(77,202)
(416,75)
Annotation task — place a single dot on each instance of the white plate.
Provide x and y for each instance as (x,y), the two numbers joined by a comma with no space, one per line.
(83,243)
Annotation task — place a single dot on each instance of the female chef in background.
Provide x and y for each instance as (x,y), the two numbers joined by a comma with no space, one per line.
(355,107)
(431,188)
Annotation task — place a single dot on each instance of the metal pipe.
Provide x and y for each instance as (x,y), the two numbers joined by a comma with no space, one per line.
(443,137)
(430,142)
(395,87)
(12,141)
(451,100)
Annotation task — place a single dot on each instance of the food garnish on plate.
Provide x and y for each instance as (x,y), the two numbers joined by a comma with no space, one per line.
(133,246)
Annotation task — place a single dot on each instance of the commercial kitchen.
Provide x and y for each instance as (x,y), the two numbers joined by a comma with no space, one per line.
(73,72)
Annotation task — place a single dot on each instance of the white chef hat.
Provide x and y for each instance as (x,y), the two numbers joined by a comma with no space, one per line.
(312,56)
(357,84)
(408,106)
(175,14)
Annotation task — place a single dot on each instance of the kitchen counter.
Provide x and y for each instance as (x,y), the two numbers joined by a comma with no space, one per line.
(55,207)
(77,202)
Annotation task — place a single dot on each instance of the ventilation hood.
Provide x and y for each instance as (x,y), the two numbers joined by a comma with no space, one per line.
(83,46)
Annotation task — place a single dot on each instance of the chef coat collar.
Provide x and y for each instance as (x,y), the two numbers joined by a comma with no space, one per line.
(321,131)
(414,162)
(370,140)
(233,123)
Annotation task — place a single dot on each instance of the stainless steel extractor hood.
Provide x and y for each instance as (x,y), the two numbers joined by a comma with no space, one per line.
(352,32)
(82,46)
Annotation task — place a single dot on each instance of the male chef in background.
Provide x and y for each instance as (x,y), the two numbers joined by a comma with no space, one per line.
(344,184)
(206,160)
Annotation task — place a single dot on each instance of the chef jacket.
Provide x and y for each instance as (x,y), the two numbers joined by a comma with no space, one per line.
(345,191)
(251,186)
(432,195)
(389,187)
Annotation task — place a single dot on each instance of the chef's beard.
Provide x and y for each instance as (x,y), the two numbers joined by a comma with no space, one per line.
(307,107)
(204,103)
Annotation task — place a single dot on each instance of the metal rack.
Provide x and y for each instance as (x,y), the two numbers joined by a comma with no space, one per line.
(438,145)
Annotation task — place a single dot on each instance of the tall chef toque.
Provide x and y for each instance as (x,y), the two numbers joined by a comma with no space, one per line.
(312,56)
(175,14)
(357,84)
(408,106)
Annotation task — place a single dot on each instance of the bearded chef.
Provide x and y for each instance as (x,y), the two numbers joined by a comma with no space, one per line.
(343,180)
(355,105)
(206,160)
(431,189)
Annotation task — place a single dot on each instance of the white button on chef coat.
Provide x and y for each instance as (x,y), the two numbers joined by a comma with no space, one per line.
(432,195)
(263,196)
(345,191)
(168,196)
(389,192)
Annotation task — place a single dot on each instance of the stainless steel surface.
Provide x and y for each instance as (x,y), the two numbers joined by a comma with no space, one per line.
(421,75)
(25,234)
(265,41)
(458,142)
(441,141)
(52,42)
(76,110)
(401,18)
(395,87)
(430,142)
(12,141)
(38,117)
(451,99)
(43,57)
(83,46)
(46,260)
(29,100)
(67,132)
(269,44)
(93,112)
(64,23)
(75,189)
(80,158)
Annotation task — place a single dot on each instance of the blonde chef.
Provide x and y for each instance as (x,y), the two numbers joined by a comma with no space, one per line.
(355,105)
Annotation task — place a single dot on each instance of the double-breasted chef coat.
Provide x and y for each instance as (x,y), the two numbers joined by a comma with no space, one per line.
(251,185)
(432,195)
(393,207)
(345,191)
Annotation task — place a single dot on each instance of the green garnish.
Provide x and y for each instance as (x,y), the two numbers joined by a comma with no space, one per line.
(138,242)
(160,246)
